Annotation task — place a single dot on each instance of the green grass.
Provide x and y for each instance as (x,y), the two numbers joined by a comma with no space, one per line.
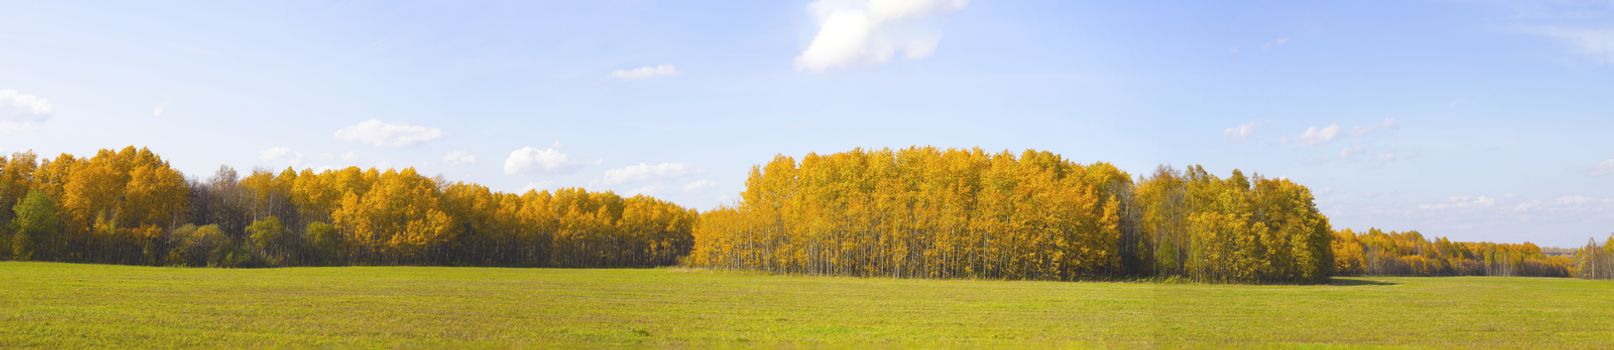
(48,305)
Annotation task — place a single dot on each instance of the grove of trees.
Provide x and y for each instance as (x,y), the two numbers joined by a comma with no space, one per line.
(130,207)
(1377,252)
(1595,262)
(926,212)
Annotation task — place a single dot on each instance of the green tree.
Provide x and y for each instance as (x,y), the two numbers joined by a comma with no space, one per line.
(324,243)
(273,242)
(37,228)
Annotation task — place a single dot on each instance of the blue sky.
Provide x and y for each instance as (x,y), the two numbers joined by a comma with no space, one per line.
(1477,120)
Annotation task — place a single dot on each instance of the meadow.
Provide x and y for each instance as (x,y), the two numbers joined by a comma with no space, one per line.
(55,305)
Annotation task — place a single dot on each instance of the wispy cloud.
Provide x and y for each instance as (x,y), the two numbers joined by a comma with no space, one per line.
(279,156)
(459,158)
(1387,124)
(1241,132)
(1350,151)
(646,72)
(1316,136)
(647,172)
(1604,168)
(699,186)
(1570,204)
(1594,43)
(379,133)
(1461,202)
(1280,41)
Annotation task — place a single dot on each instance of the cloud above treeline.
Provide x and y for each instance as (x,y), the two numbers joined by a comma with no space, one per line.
(647,172)
(459,158)
(18,109)
(858,32)
(379,133)
(1461,202)
(280,156)
(531,160)
(1317,136)
(1241,132)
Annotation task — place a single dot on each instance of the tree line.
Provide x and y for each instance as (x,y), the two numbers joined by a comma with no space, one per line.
(1593,261)
(956,213)
(1377,252)
(130,207)
(914,212)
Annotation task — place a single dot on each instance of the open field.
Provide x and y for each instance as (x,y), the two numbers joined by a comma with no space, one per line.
(50,305)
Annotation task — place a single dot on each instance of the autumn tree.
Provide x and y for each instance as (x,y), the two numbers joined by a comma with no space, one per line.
(1410,253)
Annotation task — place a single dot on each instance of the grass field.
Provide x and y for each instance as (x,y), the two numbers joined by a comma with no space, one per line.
(50,305)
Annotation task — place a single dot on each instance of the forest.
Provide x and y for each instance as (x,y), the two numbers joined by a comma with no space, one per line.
(917,212)
(926,212)
(1381,253)
(130,207)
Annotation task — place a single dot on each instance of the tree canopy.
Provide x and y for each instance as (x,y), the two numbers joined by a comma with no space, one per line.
(130,207)
(957,213)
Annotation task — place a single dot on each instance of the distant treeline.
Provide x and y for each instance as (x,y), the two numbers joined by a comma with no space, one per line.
(1383,253)
(925,212)
(130,207)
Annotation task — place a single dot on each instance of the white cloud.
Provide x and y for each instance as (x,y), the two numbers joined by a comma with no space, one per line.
(699,185)
(1462,202)
(1241,132)
(1581,200)
(1573,204)
(379,133)
(158,112)
(1530,205)
(647,172)
(1316,136)
(19,110)
(277,156)
(459,158)
(20,107)
(1387,124)
(646,72)
(1351,151)
(1388,156)
(853,32)
(550,160)
(1604,168)
(1596,43)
